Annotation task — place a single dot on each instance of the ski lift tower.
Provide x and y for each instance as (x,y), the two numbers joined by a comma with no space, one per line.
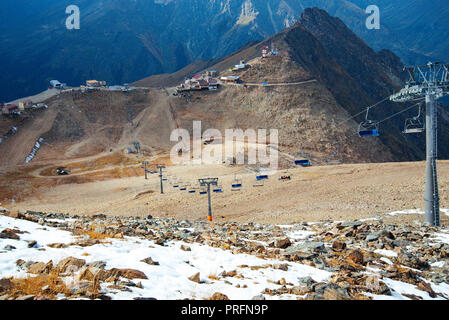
(208,182)
(161,176)
(432,82)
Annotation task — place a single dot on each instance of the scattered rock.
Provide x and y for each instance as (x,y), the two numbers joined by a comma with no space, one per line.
(195,278)
(282,266)
(89,274)
(355,256)
(373,236)
(329,291)
(354,225)
(306,247)
(100,229)
(412,296)
(98,264)
(410,260)
(3,210)
(338,245)
(425,286)
(31,243)
(282,243)
(85,242)
(307,282)
(9,234)
(150,261)
(5,285)
(218,296)
(26,297)
(57,245)
(300,291)
(126,273)
(20,262)
(376,286)
(349,267)
(118,287)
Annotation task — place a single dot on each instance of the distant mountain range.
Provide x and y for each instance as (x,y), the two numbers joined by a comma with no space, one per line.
(126,40)
(322,75)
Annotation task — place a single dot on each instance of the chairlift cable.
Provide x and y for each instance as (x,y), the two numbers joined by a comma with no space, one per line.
(364,110)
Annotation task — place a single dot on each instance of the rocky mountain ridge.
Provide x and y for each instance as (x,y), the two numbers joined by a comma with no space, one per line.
(122,41)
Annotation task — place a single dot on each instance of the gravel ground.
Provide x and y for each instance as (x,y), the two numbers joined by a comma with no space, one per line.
(344,192)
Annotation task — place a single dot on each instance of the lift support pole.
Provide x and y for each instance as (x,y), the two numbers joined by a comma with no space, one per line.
(146,170)
(431,196)
(208,182)
(160,167)
(431,82)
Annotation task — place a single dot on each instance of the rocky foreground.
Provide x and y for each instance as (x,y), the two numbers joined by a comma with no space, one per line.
(59,256)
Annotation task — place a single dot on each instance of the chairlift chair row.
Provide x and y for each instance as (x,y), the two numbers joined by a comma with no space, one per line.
(370,128)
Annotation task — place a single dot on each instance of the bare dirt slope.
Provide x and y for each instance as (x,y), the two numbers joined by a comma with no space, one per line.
(342,192)
(78,125)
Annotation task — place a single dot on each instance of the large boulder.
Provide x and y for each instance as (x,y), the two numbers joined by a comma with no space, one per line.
(89,273)
(125,273)
(70,265)
(306,247)
(41,268)
(329,291)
